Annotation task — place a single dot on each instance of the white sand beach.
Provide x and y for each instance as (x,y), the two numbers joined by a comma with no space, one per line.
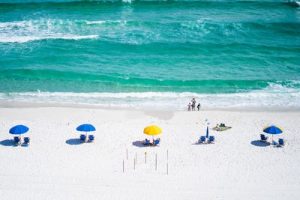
(56,166)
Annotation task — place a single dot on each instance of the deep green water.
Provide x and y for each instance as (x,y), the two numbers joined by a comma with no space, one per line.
(243,51)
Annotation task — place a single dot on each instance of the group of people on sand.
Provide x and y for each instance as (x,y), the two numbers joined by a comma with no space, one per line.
(192,105)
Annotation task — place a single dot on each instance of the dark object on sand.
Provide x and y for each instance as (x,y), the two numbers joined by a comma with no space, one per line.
(263,138)
(83,137)
(211,139)
(281,142)
(26,141)
(221,127)
(91,138)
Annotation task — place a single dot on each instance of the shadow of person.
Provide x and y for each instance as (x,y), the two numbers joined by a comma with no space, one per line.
(8,143)
(74,141)
(139,144)
(259,143)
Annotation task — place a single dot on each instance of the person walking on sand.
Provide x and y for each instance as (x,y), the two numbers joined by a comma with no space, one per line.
(198,106)
(189,106)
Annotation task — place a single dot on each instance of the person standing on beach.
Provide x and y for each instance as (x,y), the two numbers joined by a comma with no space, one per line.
(198,106)
(189,106)
(193,104)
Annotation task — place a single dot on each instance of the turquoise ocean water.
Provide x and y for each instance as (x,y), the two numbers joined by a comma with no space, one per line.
(151,53)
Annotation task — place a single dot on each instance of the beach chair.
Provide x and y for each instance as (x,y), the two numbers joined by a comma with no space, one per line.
(156,142)
(26,140)
(263,138)
(202,139)
(91,138)
(147,142)
(280,142)
(17,140)
(83,137)
(211,139)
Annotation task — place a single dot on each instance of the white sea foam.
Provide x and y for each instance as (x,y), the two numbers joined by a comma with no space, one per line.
(12,24)
(96,22)
(274,96)
(118,22)
(43,29)
(127,1)
(207,26)
(22,39)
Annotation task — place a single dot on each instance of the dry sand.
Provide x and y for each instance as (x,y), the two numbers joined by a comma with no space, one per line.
(237,166)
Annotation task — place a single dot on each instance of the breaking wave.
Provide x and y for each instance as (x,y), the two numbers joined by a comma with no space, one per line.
(274,96)
(142,31)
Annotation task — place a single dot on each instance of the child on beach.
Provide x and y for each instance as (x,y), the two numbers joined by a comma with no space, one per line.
(198,106)
(189,106)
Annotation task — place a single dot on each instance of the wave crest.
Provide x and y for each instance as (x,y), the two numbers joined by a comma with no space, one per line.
(23,39)
(44,29)
(140,31)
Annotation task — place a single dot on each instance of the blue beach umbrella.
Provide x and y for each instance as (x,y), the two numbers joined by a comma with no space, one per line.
(273,130)
(207,132)
(18,129)
(86,128)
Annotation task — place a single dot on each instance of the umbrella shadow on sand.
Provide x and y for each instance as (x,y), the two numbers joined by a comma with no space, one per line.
(259,143)
(74,141)
(8,143)
(139,143)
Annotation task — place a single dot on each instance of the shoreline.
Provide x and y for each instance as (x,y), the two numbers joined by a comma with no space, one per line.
(19,104)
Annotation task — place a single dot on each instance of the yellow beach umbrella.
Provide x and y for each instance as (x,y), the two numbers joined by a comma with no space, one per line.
(152,130)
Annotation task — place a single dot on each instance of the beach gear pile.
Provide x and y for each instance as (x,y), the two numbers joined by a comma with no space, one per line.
(221,127)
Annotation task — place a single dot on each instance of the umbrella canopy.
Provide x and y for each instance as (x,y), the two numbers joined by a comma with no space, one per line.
(272,130)
(207,132)
(18,129)
(86,128)
(152,130)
